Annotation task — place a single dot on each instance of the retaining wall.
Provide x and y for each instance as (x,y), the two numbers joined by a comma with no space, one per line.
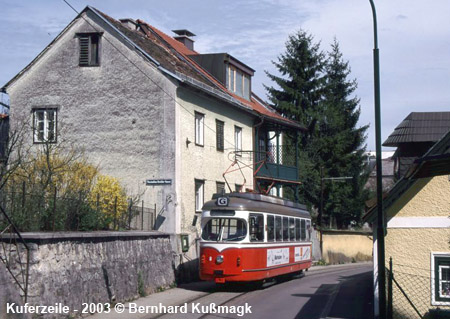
(97,267)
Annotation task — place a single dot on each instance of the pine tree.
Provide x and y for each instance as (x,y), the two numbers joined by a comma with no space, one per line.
(341,142)
(315,91)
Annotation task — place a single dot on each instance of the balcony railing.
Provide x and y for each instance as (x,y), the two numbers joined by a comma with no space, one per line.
(279,162)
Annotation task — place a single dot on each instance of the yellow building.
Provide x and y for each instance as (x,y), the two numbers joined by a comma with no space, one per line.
(417,213)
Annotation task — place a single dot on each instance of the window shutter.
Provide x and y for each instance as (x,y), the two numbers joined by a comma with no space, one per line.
(84,50)
(219,135)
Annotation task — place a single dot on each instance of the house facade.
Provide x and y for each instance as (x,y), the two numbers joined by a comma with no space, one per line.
(417,213)
(146,107)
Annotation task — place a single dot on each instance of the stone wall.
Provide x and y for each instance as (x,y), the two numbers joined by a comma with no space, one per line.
(100,267)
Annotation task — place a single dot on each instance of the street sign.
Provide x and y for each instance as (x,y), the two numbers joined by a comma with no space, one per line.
(158,182)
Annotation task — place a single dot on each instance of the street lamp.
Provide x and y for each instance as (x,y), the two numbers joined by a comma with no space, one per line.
(380,219)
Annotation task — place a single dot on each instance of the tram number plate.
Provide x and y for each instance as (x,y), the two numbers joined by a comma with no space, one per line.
(277,256)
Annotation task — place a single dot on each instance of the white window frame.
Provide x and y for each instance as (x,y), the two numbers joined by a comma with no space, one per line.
(435,302)
(46,130)
(199,129)
(199,195)
(237,139)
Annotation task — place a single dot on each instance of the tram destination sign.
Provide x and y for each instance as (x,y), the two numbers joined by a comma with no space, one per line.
(158,182)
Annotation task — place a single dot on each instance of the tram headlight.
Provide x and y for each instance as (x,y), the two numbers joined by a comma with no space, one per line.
(219,259)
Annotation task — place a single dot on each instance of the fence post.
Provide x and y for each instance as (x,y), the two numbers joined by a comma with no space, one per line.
(389,296)
(23,206)
(130,202)
(142,216)
(54,209)
(115,212)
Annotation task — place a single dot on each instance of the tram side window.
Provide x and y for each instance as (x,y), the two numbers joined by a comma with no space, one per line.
(297,229)
(270,228)
(292,229)
(303,227)
(278,229)
(256,227)
(308,230)
(285,229)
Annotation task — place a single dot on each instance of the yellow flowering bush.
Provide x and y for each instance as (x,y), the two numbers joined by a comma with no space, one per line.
(109,198)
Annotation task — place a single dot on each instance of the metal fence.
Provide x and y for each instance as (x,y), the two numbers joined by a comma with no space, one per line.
(409,293)
(50,212)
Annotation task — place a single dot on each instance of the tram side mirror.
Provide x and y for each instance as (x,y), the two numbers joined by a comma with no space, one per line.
(194,221)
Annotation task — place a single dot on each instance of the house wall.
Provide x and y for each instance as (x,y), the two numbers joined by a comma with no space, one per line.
(207,163)
(410,240)
(117,112)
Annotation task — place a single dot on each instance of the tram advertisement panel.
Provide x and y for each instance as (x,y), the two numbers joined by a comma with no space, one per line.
(277,256)
(302,253)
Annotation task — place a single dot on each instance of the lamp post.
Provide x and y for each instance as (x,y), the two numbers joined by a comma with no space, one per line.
(380,219)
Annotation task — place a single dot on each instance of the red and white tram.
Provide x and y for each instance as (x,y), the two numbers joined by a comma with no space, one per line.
(251,237)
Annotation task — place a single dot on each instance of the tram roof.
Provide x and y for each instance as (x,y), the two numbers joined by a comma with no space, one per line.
(258,203)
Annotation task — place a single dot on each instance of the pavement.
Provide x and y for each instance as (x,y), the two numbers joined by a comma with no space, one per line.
(186,293)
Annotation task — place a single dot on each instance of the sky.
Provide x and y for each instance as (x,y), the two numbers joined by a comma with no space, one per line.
(413,37)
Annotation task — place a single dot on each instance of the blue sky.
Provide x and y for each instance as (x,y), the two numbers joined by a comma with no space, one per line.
(414,40)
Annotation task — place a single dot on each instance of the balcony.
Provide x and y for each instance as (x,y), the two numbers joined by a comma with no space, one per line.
(278,163)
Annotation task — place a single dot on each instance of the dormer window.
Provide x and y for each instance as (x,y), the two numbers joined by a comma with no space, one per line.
(238,82)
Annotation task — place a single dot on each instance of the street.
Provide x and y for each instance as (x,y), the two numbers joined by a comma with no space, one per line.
(331,292)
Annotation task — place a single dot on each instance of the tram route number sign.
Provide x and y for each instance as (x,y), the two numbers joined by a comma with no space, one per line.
(158,182)
(222,201)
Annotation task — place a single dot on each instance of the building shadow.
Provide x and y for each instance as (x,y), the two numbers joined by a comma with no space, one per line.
(350,298)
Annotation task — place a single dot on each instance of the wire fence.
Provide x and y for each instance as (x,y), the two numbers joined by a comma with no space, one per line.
(50,212)
(409,293)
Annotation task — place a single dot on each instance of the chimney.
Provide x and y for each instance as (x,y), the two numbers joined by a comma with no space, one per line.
(184,36)
(129,23)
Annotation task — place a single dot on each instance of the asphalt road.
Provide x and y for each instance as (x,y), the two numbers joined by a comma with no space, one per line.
(334,293)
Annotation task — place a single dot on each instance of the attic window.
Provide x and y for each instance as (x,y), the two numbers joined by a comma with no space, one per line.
(238,82)
(44,125)
(89,49)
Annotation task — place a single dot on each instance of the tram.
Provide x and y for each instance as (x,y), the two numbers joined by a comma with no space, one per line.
(252,237)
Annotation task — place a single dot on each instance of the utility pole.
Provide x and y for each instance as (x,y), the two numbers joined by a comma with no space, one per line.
(380,219)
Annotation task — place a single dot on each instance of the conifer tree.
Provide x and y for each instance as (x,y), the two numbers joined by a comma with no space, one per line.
(313,89)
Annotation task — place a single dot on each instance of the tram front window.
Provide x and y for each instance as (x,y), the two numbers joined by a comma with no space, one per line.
(224,229)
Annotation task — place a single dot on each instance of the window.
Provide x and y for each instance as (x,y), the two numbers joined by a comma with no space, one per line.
(303,229)
(285,229)
(44,125)
(292,229)
(270,228)
(278,229)
(256,227)
(220,135)
(237,139)
(440,278)
(199,194)
(297,229)
(199,128)
(238,82)
(224,229)
(220,187)
(89,49)
(308,230)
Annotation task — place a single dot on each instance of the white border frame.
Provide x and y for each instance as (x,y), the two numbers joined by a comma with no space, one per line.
(433,279)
